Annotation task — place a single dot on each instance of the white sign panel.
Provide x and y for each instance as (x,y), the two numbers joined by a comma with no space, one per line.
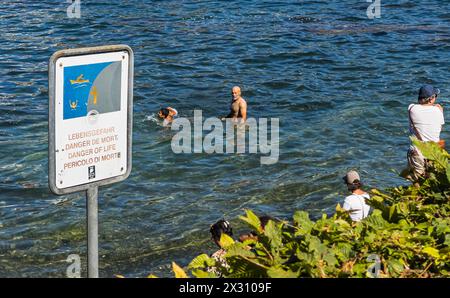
(91,102)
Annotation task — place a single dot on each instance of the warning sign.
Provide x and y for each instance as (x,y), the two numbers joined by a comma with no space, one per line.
(90,118)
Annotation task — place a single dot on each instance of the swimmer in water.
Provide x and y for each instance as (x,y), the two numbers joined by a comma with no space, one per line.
(167,114)
(238,107)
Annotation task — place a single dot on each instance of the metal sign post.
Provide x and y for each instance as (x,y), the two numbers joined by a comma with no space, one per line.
(92,230)
(90,126)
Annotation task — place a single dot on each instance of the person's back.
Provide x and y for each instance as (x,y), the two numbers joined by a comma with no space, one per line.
(356,204)
(427,120)
(425,123)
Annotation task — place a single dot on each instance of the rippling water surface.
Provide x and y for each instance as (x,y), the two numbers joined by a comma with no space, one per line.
(339,82)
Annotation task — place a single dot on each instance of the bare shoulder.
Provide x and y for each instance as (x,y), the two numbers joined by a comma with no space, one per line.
(243,102)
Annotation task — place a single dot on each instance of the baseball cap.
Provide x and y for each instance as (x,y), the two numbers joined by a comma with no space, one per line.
(351,177)
(427,91)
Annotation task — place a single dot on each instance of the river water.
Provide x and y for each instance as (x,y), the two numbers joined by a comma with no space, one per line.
(338,81)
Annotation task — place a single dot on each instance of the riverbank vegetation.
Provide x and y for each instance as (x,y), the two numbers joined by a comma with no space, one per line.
(407,234)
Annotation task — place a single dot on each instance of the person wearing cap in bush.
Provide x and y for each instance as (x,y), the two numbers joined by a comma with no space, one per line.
(425,123)
(356,202)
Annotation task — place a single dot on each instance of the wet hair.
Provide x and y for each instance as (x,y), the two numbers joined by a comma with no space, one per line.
(222,226)
(164,112)
(355,185)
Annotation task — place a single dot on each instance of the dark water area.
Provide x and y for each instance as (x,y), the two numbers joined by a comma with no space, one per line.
(339,82)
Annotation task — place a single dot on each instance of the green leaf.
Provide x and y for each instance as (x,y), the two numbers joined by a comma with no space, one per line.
(344,250)
(226,241)
(317,247)
(239,249)
(201,261)
(360,269)
(376,220)
(241,268)
(273,232)
(203,274)
(395,267)
(432,151)
(301,220)
(252,220)
(277,272)
(330,259)
(391,212)
(179,272)
(431,251)
(447,172)
(343,225)
(447,240)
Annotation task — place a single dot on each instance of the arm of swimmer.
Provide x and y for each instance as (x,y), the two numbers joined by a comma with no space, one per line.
(174,112)
(243,108)
(230,115)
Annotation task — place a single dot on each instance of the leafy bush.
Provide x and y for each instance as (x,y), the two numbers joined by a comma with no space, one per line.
(408,231)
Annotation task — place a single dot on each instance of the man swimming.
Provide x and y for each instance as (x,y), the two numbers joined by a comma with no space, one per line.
(238,107)
(167,114)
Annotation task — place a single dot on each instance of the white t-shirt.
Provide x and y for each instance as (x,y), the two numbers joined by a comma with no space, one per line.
(428,121)
(358,204)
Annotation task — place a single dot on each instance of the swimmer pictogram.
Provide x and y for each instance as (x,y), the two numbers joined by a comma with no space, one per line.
(79,80)
(74,104)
